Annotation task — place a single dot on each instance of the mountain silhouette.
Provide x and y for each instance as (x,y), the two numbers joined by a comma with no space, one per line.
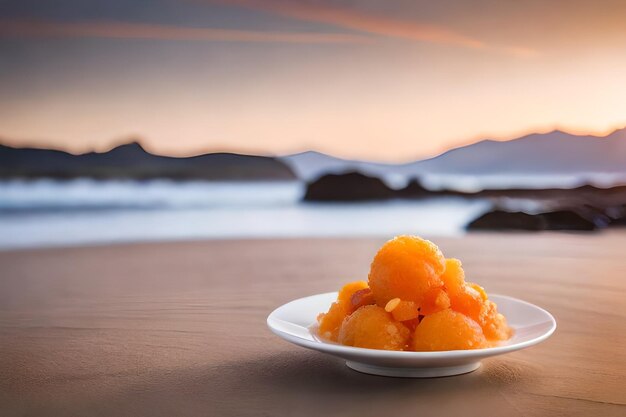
(553,153)
(132,161)
(540,154)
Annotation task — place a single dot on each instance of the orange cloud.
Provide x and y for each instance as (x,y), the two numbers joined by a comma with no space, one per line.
(127,30)
(374,24)
(361,21)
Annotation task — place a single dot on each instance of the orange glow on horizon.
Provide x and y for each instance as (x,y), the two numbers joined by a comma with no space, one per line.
(157,149)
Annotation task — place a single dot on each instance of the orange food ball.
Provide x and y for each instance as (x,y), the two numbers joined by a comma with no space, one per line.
(405,267)
(361,298)
(373,328)
(346,292)
(453,277)
(494,324)
(466,298)
(471,299)
(405,311)
(436,299)
(469,302)
(447,330)
(330,322)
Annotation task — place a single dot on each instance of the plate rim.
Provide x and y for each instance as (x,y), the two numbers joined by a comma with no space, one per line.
(334,348)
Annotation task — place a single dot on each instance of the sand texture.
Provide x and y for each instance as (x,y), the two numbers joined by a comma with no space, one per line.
(175,329)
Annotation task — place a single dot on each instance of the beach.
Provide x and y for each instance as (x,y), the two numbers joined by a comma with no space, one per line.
(179,328)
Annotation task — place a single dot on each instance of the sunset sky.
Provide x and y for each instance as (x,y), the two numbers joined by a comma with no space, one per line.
(382,80)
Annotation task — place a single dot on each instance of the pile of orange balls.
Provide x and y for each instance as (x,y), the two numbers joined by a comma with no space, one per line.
(415,299)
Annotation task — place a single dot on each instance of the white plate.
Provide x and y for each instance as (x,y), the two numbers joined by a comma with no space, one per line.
(295,320)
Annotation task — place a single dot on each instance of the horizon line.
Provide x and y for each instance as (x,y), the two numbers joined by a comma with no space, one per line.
(141,141)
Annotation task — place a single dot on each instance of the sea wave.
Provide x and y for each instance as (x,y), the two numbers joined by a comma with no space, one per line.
(68,213)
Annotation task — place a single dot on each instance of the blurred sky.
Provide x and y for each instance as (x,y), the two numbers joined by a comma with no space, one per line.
(383,80)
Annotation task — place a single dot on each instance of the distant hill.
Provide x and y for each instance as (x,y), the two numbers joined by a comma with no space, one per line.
(132,161)
(571,159)
(549,154)
(554,152)
(311,165)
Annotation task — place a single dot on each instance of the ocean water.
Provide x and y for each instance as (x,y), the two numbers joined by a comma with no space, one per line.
(45,213)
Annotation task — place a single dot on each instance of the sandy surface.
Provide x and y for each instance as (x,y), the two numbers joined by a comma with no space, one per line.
(179,329)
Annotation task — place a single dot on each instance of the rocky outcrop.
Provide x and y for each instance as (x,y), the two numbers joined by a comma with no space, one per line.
(351,186)
(415,189)
(553,220)
(504,220)
(567,220)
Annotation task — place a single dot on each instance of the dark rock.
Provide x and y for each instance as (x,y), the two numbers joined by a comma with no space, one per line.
(504,220)
(415,189)
(567,220)
(352,186)
(553,220)
(599,216)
